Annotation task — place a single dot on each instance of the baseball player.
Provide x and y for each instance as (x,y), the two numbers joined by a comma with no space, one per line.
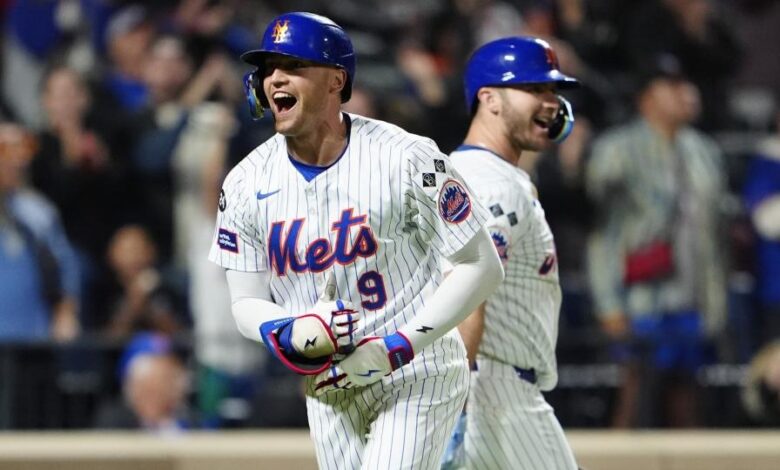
(332,233)
(511,87)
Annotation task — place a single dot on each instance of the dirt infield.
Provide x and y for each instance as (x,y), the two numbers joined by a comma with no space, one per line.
(606,450)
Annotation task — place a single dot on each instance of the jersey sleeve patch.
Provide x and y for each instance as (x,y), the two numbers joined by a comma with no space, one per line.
(501,241)
(454,202)
(222,203)
(496,210)
(227,240)
(433,177)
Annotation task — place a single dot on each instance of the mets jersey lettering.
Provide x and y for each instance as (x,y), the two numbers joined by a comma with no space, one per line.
(320,254)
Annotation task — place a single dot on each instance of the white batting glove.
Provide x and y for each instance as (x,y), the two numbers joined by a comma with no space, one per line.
(376,357)
(330,327)
(330,380)
(373,358)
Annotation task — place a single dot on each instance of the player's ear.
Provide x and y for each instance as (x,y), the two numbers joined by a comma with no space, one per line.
(338,81)
(489,100)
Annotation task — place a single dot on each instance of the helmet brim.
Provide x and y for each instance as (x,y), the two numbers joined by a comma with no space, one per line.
(256,57)
(563,82)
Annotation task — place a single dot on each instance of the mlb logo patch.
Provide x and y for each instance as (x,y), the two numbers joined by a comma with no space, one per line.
(227,240)
(454,202)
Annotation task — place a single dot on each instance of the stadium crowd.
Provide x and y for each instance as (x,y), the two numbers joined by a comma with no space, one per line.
(119,120)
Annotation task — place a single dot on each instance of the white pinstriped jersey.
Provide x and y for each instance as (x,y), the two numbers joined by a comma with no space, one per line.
(509,424)
(380,218)
(521,317)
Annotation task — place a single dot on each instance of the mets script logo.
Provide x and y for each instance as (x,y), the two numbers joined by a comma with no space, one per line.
(320,254)
(547,265)
(454,202)
(502,246)
(280,31)
(552,59)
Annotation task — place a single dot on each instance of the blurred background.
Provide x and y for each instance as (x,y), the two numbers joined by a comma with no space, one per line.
(119,120)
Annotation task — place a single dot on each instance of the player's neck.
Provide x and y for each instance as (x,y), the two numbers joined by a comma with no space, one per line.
(481,136)
(323,145)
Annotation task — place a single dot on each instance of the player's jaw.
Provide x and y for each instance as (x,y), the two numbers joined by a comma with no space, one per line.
(528,120)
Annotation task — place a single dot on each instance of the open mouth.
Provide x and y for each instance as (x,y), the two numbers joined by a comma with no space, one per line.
(284,101)
(544,124)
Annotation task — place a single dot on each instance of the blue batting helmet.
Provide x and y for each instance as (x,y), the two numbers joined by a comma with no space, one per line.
(304,36)
(513,61)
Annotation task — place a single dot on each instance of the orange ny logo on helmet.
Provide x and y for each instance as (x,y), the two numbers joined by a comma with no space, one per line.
(552,59)
(280,31)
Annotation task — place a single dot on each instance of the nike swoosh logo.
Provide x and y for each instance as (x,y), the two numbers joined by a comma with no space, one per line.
(369,373)
(261,196)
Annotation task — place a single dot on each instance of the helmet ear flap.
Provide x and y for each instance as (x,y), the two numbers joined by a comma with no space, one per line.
(252,85)
(563,123)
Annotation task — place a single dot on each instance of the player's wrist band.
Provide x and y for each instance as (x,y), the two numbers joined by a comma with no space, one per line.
(284,336)
(399,350)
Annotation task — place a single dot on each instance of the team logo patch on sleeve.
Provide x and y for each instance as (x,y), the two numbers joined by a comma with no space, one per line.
(454,202)
(500,240)
(227,240)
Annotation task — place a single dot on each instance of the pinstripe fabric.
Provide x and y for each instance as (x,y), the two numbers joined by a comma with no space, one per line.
(521,317)
(391,186)
(401,422)
(510,425)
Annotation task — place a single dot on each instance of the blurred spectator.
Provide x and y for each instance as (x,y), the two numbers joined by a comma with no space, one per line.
(154,389)
(129,35)
(76,170)
(433,106)
(762,196)
(217,24)
(174,92)
(33,32)
(656,260)
(141,299)
(695,31)
(228,363)
(591,27)
(38,272)
(373,15)
(490,19)
(761,393)
(158,125)
(756,91)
